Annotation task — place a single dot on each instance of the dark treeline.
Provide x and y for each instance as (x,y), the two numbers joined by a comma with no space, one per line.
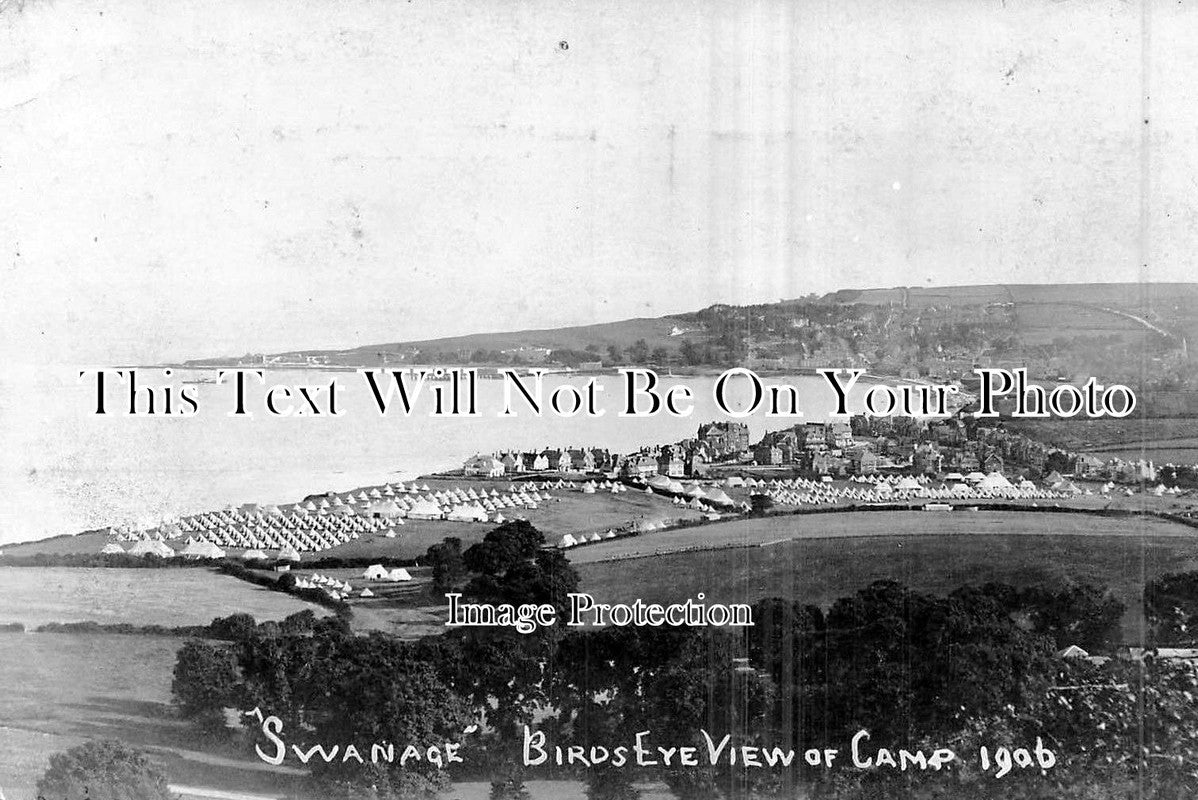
(233,628)
(918,670)
(113,560)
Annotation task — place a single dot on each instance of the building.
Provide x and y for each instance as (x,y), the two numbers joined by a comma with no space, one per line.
(483,467)
(639,466)
(768,455)
(725,439)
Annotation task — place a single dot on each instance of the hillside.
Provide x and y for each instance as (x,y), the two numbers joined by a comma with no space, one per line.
(1127,332)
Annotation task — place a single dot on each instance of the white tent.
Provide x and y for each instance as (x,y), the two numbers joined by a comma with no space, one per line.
(212,551)
(471,513)
(375,572)
(425,509)
(567,541)
(383,508)
(253,555)
(398,575)
(995,482)
(151,547)
(289,553)
(718,496)
(112,548)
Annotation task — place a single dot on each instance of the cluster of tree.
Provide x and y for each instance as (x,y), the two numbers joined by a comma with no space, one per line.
(1071,613)
(103,770)
(916,669)
(1184,476)
(510,565)
(1171,608)
(235,627)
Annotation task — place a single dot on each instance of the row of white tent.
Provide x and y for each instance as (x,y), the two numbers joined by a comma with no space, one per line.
(610,487)
(198,548)
(298,530)
(361,503)
(333,587)
(637,526)
(573,540)
(711,495)
(993,486)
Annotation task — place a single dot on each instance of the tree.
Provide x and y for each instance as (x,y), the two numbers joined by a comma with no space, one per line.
(1080,613)
(205,679)
(234,627)
(301,622)
(102,770)
(1171,607)
(504,547)
(759,504)
(447,564)
(639,352)
(660,356)
(548,578)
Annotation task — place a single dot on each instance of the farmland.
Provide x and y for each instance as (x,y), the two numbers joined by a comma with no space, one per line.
(37,595)
(819,558)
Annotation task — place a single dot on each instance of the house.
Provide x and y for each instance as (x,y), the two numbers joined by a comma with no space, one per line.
(558,460)
(767,455)
(483,467)
(725,438)
(1087,466)
(513,462)
(862,461)
(670,464)
(535,462)
(582,460)
(926,460)
(639,466)
(824,463)
(838,435)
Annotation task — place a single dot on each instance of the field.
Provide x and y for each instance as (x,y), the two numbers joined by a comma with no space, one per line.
(37,595)
(820,558)
(1111,434)
(60,690)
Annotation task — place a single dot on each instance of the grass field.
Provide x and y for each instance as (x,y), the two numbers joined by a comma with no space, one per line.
(62,690)
(37,595)
(820,558)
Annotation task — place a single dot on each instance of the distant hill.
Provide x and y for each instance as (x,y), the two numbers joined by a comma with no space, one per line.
(1128,296)
(1064,329)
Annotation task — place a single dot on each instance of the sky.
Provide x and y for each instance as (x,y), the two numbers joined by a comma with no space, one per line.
(184,179)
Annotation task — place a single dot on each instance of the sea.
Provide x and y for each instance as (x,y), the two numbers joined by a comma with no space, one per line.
(64,468)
